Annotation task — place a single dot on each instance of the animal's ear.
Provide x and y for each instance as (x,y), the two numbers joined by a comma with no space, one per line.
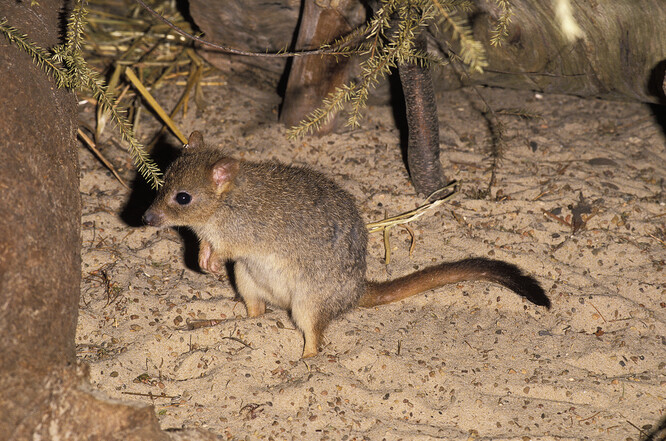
(224,172)
(196,141)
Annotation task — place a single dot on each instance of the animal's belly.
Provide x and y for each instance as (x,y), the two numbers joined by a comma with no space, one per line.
(279,280)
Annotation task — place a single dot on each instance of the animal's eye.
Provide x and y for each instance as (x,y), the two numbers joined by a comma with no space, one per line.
(183,198)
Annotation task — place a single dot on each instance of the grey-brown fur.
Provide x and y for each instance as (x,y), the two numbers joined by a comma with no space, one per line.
(297,239)
(294,235)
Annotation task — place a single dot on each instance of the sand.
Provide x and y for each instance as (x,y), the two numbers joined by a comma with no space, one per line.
(467,361)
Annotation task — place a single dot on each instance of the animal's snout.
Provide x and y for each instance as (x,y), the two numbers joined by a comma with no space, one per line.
(153,218)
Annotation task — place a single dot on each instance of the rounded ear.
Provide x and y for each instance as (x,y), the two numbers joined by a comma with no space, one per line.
(196,141)
(224,172)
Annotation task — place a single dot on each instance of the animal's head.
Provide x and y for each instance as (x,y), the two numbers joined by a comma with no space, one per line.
(193,187)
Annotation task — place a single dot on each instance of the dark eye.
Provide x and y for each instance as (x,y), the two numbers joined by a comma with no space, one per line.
(183,198)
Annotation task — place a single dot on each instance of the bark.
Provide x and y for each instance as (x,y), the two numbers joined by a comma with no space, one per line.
(258,25)
(622,55)
(311,79)
(39,226)
(43,393)
(425,168)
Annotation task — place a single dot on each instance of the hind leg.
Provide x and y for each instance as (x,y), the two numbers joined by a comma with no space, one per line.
(253,295)
(308,319)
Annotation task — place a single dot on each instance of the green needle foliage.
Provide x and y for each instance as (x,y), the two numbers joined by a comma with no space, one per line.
(66,64)
(40,56)
(501,28)
(387,40)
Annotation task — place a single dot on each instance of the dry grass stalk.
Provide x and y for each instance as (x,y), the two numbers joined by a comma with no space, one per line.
(123,39)
(432,201)
(435,199)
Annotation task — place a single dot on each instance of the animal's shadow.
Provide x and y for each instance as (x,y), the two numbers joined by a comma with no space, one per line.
(142,196)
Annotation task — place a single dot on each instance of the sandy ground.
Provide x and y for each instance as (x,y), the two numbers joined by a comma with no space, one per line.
(467,361)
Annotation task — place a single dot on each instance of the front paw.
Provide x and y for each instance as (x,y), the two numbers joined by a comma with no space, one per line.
(205,253)
(209,260)
(215,265)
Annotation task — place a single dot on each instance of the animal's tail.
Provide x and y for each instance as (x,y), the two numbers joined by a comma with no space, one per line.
(505,274)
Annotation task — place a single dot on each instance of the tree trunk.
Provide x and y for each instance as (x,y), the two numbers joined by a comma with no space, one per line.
(43,393)
(39,227)
(425,169)
(311,79)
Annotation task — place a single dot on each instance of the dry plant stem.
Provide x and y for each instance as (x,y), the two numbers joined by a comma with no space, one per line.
(155,105)
(194,78)
(402,219)
(657,239)
(412,215)
(135,111)
(91,145)
(198,74)
(238,340)
(169,68)
(557,218)
(204,323)
(387,245)
(150,395)
(412,243)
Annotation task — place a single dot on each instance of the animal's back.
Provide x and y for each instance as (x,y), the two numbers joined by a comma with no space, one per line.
(294,224)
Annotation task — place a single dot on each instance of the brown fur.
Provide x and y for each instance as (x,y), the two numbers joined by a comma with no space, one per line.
(297,239)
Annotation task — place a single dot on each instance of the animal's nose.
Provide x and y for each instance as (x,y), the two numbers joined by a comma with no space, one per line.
(153,218)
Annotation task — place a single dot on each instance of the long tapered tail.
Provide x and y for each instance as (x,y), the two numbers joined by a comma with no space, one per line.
(505,274)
